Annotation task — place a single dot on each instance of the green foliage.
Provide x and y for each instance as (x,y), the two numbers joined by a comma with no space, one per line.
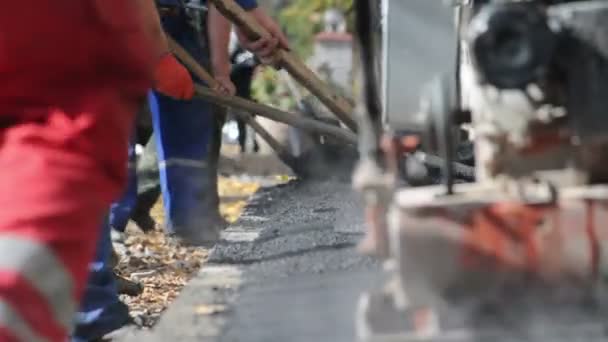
(267,88)
(302,19)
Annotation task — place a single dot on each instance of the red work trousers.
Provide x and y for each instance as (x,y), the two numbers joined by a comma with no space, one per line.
(71,80)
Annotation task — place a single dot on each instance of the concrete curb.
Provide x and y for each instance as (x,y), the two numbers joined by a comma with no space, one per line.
(207,299)
(204,302)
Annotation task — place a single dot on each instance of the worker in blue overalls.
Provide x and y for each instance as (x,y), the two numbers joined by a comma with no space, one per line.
(182,157)
(183,129)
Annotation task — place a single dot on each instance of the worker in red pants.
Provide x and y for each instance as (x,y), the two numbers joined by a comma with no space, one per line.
(72,76)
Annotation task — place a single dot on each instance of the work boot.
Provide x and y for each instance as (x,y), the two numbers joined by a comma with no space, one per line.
(147,197)
(112,318)
(144,222)
(127,331)
(128,287)
(206,234)
(204,231)
(124,285)
(148,188)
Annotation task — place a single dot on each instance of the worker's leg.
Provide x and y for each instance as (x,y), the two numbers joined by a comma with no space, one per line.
(101,311)
(215,146)
(242,126)
(148,186)
(182,131)
(148,178)
(69,82)
(242,77)
(143,127)
(120,211)
(55,190)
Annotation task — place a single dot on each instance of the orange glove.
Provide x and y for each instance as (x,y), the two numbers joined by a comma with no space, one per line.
(173,79)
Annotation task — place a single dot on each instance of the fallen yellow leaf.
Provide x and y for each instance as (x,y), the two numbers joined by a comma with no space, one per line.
(174,265)
(212,309)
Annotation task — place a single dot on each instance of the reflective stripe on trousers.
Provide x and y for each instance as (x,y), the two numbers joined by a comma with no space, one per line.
(66,115)
(39,266)
(16,325)
(58,176)
(99,312)
(182,130)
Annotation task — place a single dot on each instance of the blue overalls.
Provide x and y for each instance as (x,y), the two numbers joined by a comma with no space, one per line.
(101,311)
(182,130)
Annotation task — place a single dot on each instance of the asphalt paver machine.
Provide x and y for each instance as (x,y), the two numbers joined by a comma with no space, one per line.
(485,189)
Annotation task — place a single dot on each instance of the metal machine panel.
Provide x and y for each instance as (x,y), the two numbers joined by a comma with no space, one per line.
(419,43)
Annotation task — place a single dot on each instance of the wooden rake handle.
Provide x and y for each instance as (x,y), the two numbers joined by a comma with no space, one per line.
(341,107)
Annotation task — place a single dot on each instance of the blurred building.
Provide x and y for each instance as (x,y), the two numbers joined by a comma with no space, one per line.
(333,51)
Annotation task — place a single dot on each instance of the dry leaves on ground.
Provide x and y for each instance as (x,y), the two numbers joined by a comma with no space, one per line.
(163,267)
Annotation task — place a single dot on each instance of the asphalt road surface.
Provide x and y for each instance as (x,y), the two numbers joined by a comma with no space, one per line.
(287,271)
(303,276)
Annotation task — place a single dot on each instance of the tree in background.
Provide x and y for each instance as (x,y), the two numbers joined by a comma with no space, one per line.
(268,88)
(303,19)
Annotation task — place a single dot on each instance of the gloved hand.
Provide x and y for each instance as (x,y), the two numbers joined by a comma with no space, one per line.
(173,79)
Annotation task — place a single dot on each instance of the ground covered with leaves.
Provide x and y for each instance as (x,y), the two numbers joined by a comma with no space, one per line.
(163,267)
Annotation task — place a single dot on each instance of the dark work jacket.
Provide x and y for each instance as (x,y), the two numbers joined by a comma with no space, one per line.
(246,4)
(243,66)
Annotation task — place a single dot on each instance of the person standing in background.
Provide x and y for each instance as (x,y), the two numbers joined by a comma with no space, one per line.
(244,64)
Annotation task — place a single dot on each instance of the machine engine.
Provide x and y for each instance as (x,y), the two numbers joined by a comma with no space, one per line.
(524,244)
(537,88)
